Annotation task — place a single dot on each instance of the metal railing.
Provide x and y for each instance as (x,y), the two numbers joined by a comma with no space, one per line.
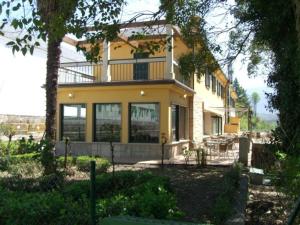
(78,72)
(178,76)
(138,69)
(120,70)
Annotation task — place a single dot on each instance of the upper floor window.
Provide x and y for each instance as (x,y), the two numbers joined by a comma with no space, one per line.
(222,92)
(73,122)
(214,83)
(141,70)
(144,122)
(207,79)
(107,122)
(219,88)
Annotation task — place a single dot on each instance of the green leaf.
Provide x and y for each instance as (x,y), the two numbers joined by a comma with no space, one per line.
(15,23)
(10,43)
(31,50)
(24,50)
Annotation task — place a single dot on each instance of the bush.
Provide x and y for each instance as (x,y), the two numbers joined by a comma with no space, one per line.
(107,185)
(42,209)
(14,159)
(83,164)
(7,162)
(71,161)
(40,184)
(150,198)
(27,146)
(289,181)
(223,206)
(4,163)
(26,169)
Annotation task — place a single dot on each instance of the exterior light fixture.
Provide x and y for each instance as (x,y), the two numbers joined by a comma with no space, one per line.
(185,95)
(142,93)
(71,95)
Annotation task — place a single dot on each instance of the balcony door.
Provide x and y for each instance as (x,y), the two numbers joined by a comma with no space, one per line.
(141,70)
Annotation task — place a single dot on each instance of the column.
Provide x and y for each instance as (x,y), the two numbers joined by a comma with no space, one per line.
(170,52)
(106,76)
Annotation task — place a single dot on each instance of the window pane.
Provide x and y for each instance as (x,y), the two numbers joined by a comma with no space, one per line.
(107,122)
(179,117)
(175,122)
(144,123)
(182,123)
(73,122)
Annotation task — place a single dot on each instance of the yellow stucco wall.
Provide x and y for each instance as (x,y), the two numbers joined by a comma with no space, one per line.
(162,94)
(212,102)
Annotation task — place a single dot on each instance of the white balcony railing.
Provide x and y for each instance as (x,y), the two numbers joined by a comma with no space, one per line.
(119,70)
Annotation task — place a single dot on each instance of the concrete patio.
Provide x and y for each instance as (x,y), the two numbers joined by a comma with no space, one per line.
(213,159)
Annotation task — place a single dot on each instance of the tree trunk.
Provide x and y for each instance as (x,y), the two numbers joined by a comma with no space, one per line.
(297,19)
(53,60)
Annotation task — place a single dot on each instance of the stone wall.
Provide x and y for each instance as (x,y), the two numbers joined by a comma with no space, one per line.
(197,115)
(124,153)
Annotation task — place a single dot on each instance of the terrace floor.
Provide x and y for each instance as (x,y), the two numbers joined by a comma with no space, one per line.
(213,159)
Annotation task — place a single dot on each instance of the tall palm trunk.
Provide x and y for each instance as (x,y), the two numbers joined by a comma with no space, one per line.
(53,60)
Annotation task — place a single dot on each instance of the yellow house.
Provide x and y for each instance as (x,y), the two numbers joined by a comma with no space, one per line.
(139,100)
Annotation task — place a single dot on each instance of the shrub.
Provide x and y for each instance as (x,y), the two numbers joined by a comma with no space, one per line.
(83,164)
(71,161)
(223,206)
(151,199)
(4,163)
(26,169)
(14,159)
(42,209)
(27,146)
(222,209)
(40,184)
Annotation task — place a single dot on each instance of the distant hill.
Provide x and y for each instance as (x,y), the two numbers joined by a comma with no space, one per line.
(268,117)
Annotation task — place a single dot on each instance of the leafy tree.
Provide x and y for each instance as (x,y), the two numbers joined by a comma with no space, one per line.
(271,28)
(51,20)
(243,99)
(255,98)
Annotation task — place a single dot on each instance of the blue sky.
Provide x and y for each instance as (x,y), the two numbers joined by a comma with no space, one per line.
(21,76)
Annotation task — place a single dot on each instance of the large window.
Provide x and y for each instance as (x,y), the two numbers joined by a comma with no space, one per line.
(179,116)
(144,122)
(73,119)
(107,122)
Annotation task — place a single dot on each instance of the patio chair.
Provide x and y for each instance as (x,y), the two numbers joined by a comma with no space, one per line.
(209,148)
(223,149)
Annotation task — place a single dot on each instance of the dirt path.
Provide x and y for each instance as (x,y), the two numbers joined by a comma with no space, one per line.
(266,206)
(196,189)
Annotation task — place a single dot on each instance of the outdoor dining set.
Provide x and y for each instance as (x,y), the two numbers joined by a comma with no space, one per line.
(220,146)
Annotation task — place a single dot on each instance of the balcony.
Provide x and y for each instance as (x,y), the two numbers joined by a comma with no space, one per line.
(146,69)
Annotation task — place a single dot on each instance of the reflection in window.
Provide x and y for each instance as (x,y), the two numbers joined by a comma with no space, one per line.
(107,125)
(144,123)
(73,121)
